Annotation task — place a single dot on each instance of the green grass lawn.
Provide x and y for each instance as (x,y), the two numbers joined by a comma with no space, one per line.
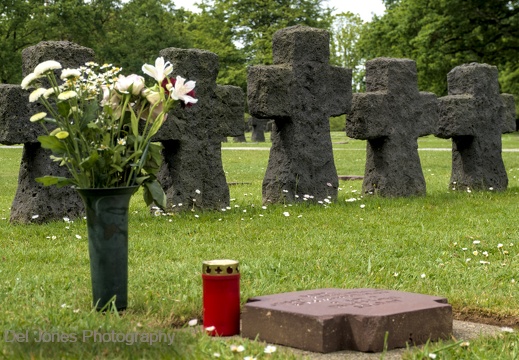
(461,245)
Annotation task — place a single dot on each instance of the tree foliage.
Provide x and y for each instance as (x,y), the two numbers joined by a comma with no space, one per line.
(132,32)
(254,22)
(437,34)
(441,34)
(139,30)
(345,33)
(240,31)
(209,30)
(127,35)
(27,22)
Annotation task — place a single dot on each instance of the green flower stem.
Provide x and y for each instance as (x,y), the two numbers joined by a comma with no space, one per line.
(126,101)
(140,147)
(64,124)
(49,108)
(76,155)
(147,134)
(107,143)
(53,82)
(71,169)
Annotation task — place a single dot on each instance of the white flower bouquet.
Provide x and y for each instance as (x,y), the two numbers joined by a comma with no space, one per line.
(99,123)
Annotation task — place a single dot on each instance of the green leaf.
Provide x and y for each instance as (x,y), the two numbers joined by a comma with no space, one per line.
(90,161)
(154,159)
(142,160)
(63,108)
(117,167)
(55,180)
(135,123)
(90,112)
(139,180)
(93,125)
(53,143)
(156,152)
(106,139)
(117,157)
(50,120)
(153,192)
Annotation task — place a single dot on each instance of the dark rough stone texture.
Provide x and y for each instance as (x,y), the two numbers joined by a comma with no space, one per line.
(268,126)
(510,122)
(15,127)
(299,92)
(49,203)
(69,55)
(241,129)
(391,115)
(474,115)
(328,320)
(239,139)
(15,109)
(258,129)
(192,137)
(32,198)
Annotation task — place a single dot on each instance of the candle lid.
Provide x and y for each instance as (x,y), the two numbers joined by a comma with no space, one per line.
(220,267)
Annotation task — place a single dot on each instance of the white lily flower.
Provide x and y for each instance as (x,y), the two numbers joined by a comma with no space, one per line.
(106,95)
(124,83)
(152,96)
(159,71)
(154,99)
(46,66)
(180,90)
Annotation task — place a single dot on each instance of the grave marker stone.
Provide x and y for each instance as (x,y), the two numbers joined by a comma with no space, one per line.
(328,320)
(474,115)
(240,138)
(299,92)
(258,129)
(192,172)
(268,126)
(34,202)
(391,115)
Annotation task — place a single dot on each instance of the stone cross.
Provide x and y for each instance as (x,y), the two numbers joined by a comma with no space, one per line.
(391,115)
(192,174)
(474,115)
(240,138)
(34,202)
(300,92)
(258,129)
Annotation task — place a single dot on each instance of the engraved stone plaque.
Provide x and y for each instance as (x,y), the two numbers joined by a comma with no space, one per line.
(328,320)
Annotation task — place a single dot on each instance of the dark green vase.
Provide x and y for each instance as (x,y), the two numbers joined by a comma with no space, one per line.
(107,222)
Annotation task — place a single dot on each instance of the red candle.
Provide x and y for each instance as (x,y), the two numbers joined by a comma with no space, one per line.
(221,297)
